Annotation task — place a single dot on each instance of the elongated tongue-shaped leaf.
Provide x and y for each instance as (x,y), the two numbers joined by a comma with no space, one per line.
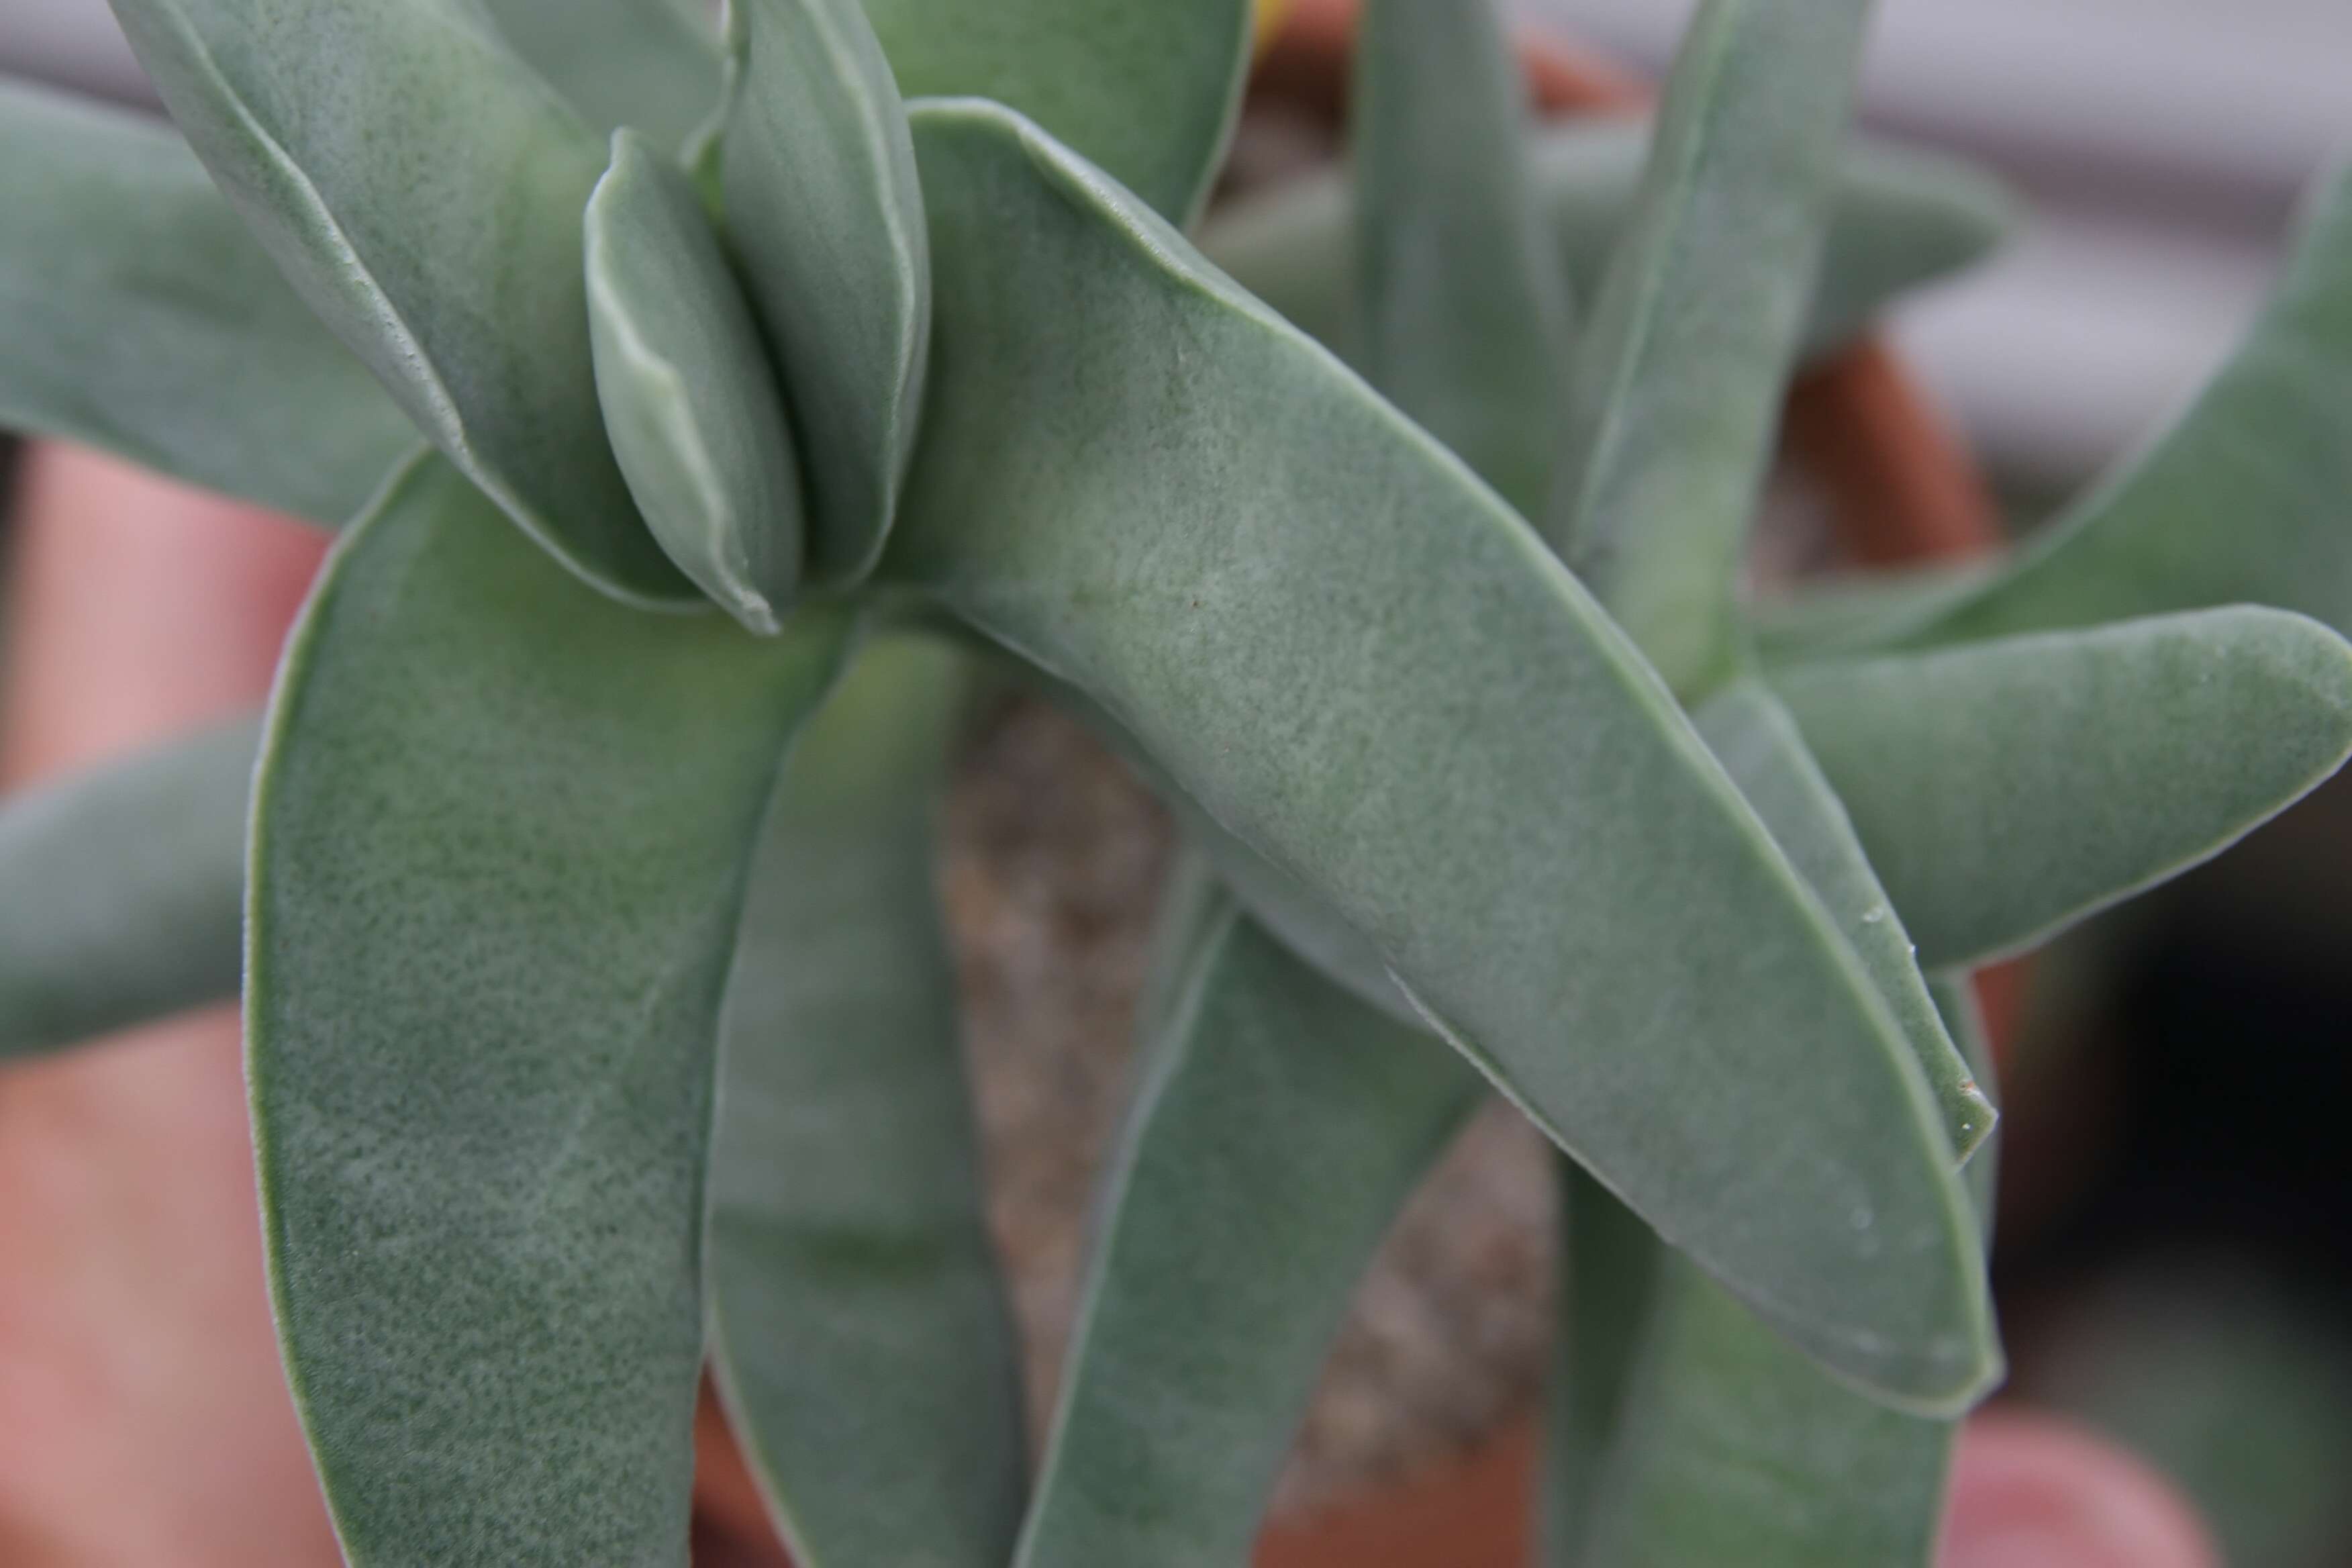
(1677,392)
(1757,744)
(1280,1126)
(2004,789)
(1464,313)
(501,833)
(1324,629)
(861,1336)
(1899,217)
(137,315)
(652,65)
(689,399)
(1608,1269)
(825,209)
(2244,500)
(1735,1449)
(422,189)
(120,891)
(1147,92)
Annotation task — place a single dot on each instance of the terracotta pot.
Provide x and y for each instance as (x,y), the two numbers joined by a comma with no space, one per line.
(1899,488)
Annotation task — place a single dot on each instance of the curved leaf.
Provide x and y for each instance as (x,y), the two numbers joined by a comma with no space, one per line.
(170,339)
(860,1334)
(2242,499)
(499,839)
(2005,789)
(1678,384)
(1148,93)
(1609,1264)
(1854,611)
(122,891)
(423,190)
(653,65)
(1464,313)
(689,399)
(1758,744)
(824,207)
(1736,1449)
(1324,629)
(1899,217)
(1280,1126)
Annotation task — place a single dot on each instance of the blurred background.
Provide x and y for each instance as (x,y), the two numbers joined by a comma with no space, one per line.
(2174,1255)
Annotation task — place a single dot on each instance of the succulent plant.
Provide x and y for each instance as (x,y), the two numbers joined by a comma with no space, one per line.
(597,1007)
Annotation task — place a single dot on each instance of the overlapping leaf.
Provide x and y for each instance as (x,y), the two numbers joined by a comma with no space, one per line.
(1899,218)
(826,213)
(690,400)
(1757,744)
(1465,315)
(652,65)
(119,891)
(1114,480)
(501,834)
(1148,93)
(1280,1126)
(1733,1449)
(1676,392)
(861,1338)
(137,315)
(2003,789)
(452,265)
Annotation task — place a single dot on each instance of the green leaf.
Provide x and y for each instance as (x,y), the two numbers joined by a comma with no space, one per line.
(423,190)
(1326,632)
(1609,1264)
(500,834)
(860,1334)
(1758,744)
(689,399)
(1280,1126)
(1148,93)
(1679,382)
(826,214)
(1735,1449)
(121,891)
(1464,313)
(1900,218)
(1855,612)
(169,338)
(653,65)
(2005,789)
(2241,500)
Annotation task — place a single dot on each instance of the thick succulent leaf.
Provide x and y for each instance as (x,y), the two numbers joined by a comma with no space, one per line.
(2004,789)
(826,213)
(1325,629)
(1758,745)
(1609,1263)
(1856,612)
(1964,1021)
(1148,93)
(136,315)
(122,891)
(1280,1126)
(689,399)
(860,1334)
(501,833)
(653,65)
(1464,313)
(1678,384)
(2244,500)
(423,189)
(1899,218)
(1735,1449)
